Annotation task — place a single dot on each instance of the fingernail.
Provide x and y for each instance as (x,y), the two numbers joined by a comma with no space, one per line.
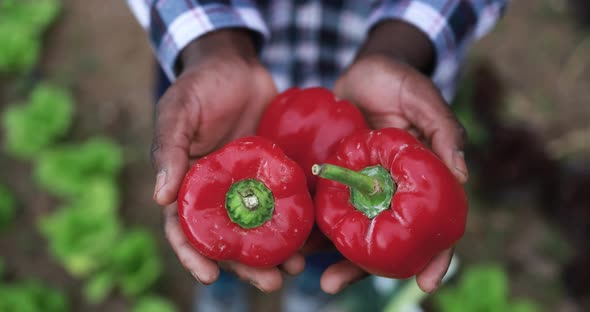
(460,166)
(196,277)
(160,182)
(257,285)
(436,285)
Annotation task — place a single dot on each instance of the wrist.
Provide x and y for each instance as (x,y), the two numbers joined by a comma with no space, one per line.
(230,44)
(401,42)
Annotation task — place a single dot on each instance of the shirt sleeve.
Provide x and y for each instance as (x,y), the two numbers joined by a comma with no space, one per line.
(173,24)
(451,25)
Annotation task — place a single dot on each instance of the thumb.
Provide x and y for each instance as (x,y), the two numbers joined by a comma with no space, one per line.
(169,152)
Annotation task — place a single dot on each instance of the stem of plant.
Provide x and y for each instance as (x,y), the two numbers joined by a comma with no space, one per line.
(371,189)
(249,203)
(361,182)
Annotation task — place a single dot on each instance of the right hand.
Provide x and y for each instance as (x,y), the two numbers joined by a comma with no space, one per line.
(387,81)
(219,96)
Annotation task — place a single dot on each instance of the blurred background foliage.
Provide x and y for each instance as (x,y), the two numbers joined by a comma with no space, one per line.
(79,232)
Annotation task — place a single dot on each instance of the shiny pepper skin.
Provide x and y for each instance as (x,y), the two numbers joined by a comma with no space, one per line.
(246,202)
(308,124)
(426,215)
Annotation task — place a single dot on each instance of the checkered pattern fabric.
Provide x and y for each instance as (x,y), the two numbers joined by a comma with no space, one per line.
(309,43)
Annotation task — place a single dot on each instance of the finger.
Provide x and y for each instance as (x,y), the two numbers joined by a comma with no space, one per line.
(266,280)
(170,147)
(378,121)
(414,132)
(448,142)
(429,279)
(293,265)
(339,275)
(204,270)
(430,114)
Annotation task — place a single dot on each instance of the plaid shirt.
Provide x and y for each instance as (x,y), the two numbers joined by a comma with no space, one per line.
(308,43)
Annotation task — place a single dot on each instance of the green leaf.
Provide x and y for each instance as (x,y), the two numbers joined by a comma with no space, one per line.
(135,262)
(482,288)
(81,238)
(20,48)
(65,171)
(7,207)
(153,303)
(15,299)
(82,234)
(46,299)
(34,14)
(98,287)
(42,13)
(449,300)
(100,195)
(31,296)
(32,127)
(22,23)
(523,306)
(489,280)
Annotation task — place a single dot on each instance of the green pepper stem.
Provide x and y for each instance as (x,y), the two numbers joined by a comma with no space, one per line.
(361,182)
(249,203)
(371,189)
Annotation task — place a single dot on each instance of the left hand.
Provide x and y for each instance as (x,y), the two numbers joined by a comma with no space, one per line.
(394,94)
(219,96)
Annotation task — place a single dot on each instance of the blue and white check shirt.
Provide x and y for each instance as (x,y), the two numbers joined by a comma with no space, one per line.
(309,43)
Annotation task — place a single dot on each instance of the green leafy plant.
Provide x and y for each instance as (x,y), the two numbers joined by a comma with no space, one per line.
(22,22)
(82,233)
(153,303)
(133,267)
(7,207)
(31,296)
(85,233)
(20,50)
(135,262)
(31,127)
(80,238)
(65,171)
(481,288)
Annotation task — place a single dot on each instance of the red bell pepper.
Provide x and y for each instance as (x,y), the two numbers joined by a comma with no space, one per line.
(308,123)
(246,202)
(388,203)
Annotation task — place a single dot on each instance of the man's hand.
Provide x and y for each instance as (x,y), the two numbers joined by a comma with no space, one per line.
(388,86)
(219,96)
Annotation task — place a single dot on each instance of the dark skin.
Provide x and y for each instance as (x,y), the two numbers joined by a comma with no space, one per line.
(222,91)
